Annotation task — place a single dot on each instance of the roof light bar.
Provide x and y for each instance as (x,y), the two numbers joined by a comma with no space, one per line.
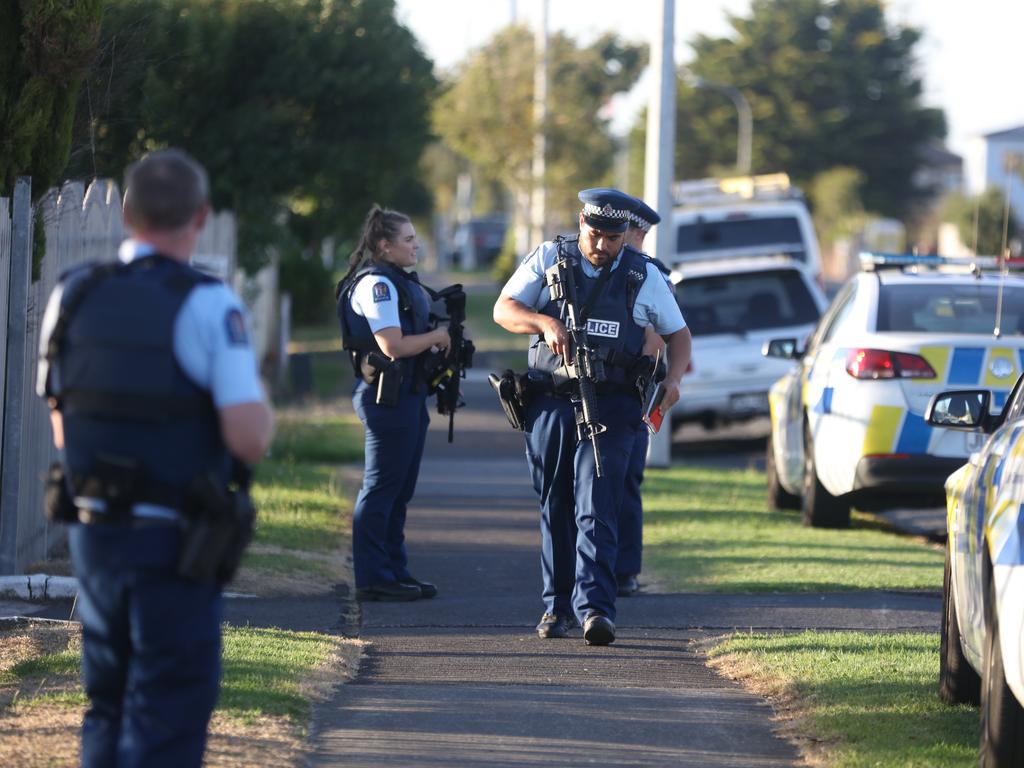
(871,260)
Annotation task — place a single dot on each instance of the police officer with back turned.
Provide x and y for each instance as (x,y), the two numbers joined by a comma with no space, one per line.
(158,408)
(618,294)
(631,516)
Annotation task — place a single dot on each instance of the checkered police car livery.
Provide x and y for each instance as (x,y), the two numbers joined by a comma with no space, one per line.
(847,422)
(983,589)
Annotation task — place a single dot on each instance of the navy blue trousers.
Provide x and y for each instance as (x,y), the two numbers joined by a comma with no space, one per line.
(631,515)
(579,511)
(394,441)
(150,648)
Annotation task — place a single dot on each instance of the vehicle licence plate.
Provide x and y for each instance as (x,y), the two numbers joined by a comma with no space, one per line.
(749,402)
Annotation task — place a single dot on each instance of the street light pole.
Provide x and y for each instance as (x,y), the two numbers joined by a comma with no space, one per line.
(745,135)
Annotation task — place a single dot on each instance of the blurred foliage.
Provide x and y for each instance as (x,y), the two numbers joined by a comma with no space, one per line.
(830,83)
(835,199)
(304,112)
(46,48)
(989,211)
(507,259)
(486,113)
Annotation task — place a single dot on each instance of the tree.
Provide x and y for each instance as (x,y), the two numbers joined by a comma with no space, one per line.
(45,51)
(486,112)
(980,220)
(830,83)
(304,111)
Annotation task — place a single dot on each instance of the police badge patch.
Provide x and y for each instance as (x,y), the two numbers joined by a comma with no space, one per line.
(238,336)
(381,292)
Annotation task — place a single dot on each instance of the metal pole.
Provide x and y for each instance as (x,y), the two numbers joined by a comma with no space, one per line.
(17,359)
(538,197)
(745,120)
(659,168)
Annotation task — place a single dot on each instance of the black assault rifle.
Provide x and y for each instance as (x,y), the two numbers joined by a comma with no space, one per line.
(456,359)
(582,363)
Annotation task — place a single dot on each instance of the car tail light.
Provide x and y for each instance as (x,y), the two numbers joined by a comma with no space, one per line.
(881,364)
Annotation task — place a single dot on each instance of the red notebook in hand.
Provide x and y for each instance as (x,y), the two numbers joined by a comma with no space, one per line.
(652,408)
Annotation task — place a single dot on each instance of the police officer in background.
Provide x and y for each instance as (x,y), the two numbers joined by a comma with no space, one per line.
(631,522)
(154,393)
(624,294)
(386,329)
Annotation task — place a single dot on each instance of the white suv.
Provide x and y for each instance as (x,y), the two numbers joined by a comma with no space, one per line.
(742,217)
(733,306)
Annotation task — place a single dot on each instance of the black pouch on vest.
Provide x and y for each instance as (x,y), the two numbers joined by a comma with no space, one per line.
(58,505)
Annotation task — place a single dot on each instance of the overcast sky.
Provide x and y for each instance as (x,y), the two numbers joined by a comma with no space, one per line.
(970,59)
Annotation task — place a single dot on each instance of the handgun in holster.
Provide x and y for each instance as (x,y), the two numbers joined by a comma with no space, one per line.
(386,373)
(219,526)
(513,397)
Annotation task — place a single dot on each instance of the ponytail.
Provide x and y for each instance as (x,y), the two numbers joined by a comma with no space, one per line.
(380,224)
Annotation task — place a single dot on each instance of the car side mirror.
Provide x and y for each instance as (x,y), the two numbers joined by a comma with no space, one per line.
(784,349)
(960,409)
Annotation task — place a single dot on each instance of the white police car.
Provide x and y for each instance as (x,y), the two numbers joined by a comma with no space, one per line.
(847,422)
(983,587)
(732,306)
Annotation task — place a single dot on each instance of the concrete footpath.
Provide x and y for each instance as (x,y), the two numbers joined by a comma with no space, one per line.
(462,680)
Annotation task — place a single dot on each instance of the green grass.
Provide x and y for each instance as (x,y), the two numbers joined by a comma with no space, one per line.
(711,530)
(300,506)
(262,672)
(263,669)
(872,695)
(486,334)
(301,503)
(286,563)
(301,437)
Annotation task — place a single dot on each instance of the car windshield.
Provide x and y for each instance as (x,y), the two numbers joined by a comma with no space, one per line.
(950,308)
(746,301)
(780,234)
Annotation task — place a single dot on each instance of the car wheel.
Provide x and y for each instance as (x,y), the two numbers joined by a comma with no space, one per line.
(958,682)
(1002,717)
(819,508)
(778,497)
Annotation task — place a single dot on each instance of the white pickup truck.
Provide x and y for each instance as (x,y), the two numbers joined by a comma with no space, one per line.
(746,267)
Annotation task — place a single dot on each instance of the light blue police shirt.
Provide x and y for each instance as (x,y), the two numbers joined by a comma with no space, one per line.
(655,305)
(376,298)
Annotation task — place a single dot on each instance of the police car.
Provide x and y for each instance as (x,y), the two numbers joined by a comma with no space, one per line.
(983,587)
(847,422)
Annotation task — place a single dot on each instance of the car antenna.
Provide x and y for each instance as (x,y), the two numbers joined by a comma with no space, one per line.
(997,331)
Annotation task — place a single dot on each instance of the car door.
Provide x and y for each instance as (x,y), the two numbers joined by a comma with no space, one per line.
(817,372)
(980,498)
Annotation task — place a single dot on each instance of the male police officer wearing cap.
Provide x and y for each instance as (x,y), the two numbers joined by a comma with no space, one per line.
(579,511)
(153,386)
(631,526)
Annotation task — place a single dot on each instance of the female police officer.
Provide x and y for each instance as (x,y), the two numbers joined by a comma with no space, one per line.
(385,316)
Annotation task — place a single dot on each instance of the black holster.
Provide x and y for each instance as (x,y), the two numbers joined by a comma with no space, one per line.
(386,373)
(219,526)
(513,396)
(58,503)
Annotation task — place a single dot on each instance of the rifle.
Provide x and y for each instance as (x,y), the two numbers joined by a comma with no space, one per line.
(457,358)
(586,367)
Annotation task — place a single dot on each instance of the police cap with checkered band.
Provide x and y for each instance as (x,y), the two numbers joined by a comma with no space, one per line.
(643,216)
(607,209)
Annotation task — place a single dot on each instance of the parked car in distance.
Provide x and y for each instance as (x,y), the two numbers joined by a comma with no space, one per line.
(847,421)
(478,242)
(983,585)
(732,306)
(742,217)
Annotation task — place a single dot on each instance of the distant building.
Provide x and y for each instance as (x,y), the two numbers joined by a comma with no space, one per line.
(997,160)
(940,171)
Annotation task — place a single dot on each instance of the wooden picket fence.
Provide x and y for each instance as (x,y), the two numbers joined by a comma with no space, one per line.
(80,225)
